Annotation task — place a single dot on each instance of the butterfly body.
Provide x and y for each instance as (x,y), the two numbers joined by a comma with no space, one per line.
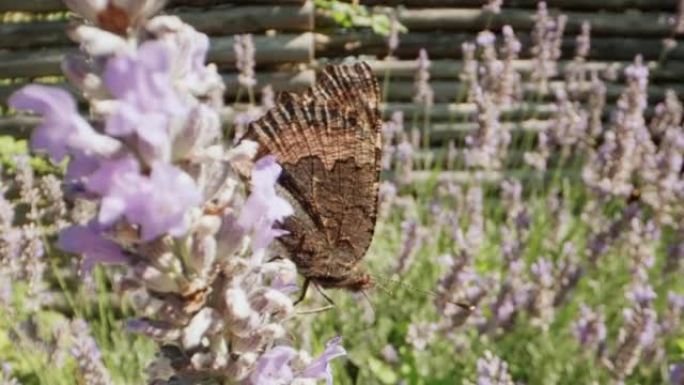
(328,143)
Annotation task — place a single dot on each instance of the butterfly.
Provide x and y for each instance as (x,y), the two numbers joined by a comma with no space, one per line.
(328,142)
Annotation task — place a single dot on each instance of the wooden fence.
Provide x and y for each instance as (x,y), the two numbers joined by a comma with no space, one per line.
(293,40)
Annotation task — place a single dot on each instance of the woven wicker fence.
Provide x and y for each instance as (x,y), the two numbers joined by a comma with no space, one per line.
(293,40)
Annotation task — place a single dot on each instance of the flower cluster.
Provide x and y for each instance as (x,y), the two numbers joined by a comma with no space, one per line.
(170,201)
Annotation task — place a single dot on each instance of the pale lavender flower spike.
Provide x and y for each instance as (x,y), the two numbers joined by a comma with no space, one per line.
(62,129)
(273,367)
(147,104)
(155,168)
(278,366)
(161,205)
(88,240)
(320,367)
(264,207)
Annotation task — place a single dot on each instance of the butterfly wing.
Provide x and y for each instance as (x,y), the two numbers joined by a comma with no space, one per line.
(328,143)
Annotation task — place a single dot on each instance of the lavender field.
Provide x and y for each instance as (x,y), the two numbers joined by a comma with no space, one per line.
(530,213)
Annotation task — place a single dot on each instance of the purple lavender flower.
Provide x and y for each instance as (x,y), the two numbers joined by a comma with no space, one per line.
(279,365)
(420,334)
(62,129)
(7,378)
(87,354)
(263,207)
(161,205)
(493,6)
(189,50)
(158,202)
(638,332)
(273,367)
(677,374)
(89,241)
(424,94)
(491,370)
(393,37)
(590,328)
(412,239)
(320,367)
(244,53)
(147,105)
(115,16)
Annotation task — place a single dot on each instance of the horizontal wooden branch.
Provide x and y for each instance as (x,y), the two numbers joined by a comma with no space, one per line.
(490,177)
(443,132)
(447,91)
(219,21)
(440,113)
(513,159)
(276,49)
(450,69)
(448,45)
(227,20)
(472,20)
(618,5)
(39,6)
(280,81)
(466,111)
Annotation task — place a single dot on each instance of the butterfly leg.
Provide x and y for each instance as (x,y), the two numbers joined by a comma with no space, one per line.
(305,287)
(276,258)
(330,301)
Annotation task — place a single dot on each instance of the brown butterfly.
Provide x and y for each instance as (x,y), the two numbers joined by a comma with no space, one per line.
(328,142)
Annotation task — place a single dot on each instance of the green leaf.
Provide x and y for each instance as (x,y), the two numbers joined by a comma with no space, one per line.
(382,371)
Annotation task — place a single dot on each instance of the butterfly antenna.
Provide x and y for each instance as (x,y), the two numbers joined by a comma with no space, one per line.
(469,307)
(316,310)
(330,301)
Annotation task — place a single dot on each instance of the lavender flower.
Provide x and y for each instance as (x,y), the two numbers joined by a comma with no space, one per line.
(390,354)
(62,129)
(679,20)
(547,36)
(542,296)
(404,165)
(7,378)
(392,131)
(676,374)
(420,334)
(282,365)
(169,207)
(263,207)
(116,16)
(424,95)
(393,37)
(590,330)
(491,370)
(89,241)
(85,351)
(637,333)
(493,6)
(244,53)
(460,285)
(486,148)
(569,125)
(469,73)
(412,238)
(628,145)
(583,41)
(509,89)
(596,102)
(673,315)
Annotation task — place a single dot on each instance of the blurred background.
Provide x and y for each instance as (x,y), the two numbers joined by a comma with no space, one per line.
(532,168)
